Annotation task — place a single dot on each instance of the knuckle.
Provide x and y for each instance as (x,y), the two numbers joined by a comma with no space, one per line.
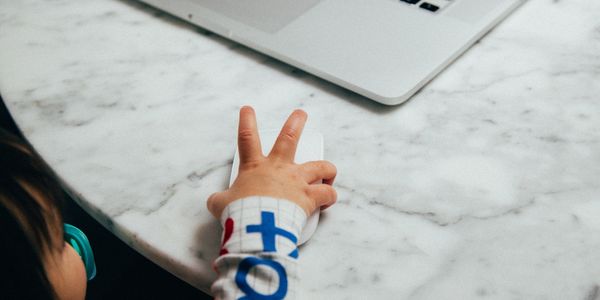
(245,135)
(333,167)
(322,164)
(314,166)
(210,203)
(329,166)
(329,192)
(333,194)
(318,165)
(296,177)
(309,192)
(290,134)
(250,165)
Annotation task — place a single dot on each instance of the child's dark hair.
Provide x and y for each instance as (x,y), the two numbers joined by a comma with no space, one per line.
(31,205)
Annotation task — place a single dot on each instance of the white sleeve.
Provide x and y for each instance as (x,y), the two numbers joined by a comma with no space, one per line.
(259,254)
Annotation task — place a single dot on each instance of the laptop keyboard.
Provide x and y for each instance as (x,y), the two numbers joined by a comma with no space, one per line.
(430,5)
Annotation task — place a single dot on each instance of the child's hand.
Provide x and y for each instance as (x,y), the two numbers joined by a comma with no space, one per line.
(277,175)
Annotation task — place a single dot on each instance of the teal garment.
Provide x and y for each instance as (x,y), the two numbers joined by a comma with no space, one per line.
(79,241)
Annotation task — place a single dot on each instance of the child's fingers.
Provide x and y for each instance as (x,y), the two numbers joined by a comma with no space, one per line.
(314,171)
(287,141)
(248,139)
(324,194)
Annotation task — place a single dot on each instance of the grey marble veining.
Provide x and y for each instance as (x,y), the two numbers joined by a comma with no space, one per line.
(484,185)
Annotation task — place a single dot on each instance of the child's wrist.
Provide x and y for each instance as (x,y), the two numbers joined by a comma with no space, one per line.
(280,206)
(252,219)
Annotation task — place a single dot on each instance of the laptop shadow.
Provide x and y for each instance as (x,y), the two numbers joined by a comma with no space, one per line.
(277,65)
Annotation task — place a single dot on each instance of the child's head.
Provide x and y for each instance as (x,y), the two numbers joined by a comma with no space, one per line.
(36,262)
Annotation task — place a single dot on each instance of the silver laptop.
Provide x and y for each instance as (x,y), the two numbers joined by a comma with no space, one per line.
(385,50)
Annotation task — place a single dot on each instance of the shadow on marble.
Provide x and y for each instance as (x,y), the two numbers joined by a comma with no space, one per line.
(208,238)
(122,272)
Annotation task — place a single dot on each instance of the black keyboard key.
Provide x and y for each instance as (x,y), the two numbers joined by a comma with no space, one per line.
(410,1)
(429,6)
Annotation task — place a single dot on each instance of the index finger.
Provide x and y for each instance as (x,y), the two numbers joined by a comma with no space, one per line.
(248,140)
(287,141)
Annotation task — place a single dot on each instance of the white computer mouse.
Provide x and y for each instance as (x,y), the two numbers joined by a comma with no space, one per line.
(310,147)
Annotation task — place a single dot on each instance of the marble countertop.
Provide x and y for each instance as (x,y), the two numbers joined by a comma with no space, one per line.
(485,185)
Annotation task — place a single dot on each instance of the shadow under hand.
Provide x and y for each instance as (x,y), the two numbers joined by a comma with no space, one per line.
(207,240)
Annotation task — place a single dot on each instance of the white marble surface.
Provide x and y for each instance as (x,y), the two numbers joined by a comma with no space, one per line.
(484,185)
